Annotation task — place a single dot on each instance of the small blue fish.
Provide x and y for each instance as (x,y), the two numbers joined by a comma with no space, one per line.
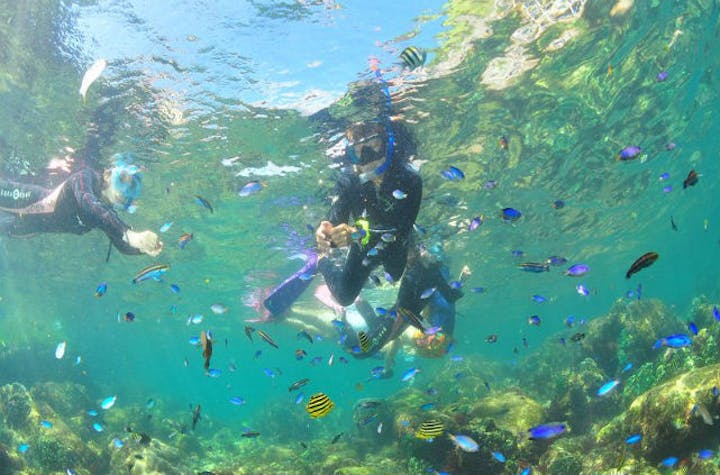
(633,439)
(546,431)
(716,313)
(118,443)
(299,398)
(377,371)
(165,227)
(517,253)
(477,290)
(343,360)
(409,374)
(606,388)
(582,290)
(693,328)
(92,412)
(628,153)
(499,457)
(456,358)
(427,406)
(174,288)
(238,401)
(577,270)
(194,340)
(22,448)
(250,188)
(381,311)
(184,240)
(669,462)
(464,442)
(569,321)
(214,372)
(153,272)
(204,203)
(558,204)
(475,223)
(108,402)
(627,367)
(664,176)
(453,174)
(667,189)
(526,471)
(510,215)
(455,284)
(388,237)
(427,293)
(399,194)
(316,361)
(534,320)
(98,427)
(101,289)
(538,298)
(705,454)
(679,340)
(556,260)
(46,424)
(269,373)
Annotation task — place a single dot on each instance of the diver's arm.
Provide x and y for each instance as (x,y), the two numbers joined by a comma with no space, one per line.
(95,213)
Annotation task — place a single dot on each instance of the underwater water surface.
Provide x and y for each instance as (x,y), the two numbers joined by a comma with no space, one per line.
(536,102)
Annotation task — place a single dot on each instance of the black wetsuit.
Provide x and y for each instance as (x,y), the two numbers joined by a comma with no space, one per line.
(384,214)
(77,209)
(417,279)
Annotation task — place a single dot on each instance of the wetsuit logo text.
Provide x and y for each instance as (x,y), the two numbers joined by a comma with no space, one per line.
(15,194)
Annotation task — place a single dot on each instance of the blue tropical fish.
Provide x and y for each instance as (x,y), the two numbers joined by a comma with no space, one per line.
(679,340)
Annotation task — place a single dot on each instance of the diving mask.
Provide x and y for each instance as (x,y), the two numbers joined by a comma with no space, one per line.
(126,180)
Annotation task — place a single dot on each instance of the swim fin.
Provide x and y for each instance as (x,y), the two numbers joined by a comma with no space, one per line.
(285,294)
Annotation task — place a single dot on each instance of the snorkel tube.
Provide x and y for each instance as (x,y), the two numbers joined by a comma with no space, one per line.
(382,168)
(126,179)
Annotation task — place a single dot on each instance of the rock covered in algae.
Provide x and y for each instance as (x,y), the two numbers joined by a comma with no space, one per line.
(154,458)
(63,397)
(671,417)
(512,411)
(15,405)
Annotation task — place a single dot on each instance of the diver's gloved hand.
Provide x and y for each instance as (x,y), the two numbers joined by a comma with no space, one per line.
(146,242)
(328,236)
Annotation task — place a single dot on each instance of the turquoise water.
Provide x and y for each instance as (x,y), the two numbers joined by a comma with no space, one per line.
(189,84)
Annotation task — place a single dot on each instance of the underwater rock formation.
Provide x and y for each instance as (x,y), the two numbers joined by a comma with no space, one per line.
(15,405)
(512,411)
(674,418)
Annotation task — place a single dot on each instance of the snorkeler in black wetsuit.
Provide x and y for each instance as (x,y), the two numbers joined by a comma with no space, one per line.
(81,203)
(380,193)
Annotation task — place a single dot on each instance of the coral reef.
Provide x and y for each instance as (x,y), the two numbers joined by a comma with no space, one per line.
(670,417)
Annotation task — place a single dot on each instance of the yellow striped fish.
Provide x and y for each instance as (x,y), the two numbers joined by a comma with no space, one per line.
(364,341)
(430,429)
(413,57)
(154,272)
(319,405)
